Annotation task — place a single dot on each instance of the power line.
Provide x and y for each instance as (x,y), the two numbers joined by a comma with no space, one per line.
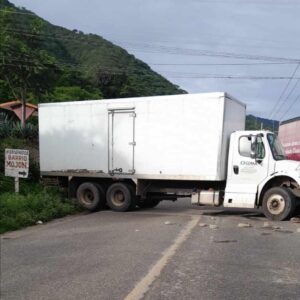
(284,90)
(27,61)
(214,76)
(150,48)
(222,64)
(210,34)
(290,107)
(262,2)
(193,52)
(287,97)
(72,67)
(247,2)
(171,74)
(182,64)
(243,39)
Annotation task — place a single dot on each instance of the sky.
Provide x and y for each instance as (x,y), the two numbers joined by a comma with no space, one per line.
(248,48)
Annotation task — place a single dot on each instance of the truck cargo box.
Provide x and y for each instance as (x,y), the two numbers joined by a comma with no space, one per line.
(289,135)
(182,137)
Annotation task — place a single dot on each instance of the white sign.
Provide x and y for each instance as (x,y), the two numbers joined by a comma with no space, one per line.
(16,163)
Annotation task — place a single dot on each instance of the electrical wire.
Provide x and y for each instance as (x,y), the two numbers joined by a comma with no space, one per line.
(289,108)
(222,64)
(283,91)
(287,97)
(248,2)
(171,74)
(192,52)
(149,48)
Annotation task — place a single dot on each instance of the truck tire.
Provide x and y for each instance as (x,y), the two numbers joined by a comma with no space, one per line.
(121,197)
(148,203)
(102,190)
(278,204)
(91,196)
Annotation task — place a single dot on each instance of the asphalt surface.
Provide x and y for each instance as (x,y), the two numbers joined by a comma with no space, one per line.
(175,251)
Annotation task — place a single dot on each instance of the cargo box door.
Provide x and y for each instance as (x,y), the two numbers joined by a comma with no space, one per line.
(121,141)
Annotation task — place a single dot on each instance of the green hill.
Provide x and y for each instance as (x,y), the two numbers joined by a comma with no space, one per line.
(78,66)
(86,65)
(256,123)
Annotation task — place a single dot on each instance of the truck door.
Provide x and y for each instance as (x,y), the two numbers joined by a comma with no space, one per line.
(121,141)
(244,172)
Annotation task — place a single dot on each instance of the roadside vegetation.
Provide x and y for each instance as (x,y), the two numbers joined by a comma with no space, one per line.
(34,202)
(13,129)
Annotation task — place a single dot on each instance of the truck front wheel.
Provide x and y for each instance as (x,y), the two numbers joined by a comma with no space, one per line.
(278,204)
(91,196)
(120,197)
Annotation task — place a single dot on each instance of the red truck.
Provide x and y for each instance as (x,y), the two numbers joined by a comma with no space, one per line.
(289,135)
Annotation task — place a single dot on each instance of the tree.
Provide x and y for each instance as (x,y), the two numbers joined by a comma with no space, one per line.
(24,65)
(74,93)
(111,83)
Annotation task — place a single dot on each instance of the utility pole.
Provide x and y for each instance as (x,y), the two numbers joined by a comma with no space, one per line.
(23,107)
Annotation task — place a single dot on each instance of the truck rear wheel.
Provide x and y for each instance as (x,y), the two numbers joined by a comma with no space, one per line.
(148,203)
(91,196)
(278,204)
(120,197)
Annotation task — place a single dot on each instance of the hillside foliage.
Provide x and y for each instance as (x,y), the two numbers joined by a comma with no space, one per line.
(256,123)
(51,63)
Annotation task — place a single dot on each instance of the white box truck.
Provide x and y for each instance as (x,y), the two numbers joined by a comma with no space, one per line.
(138,151)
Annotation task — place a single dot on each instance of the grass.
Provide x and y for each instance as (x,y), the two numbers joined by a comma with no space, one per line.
(36,203)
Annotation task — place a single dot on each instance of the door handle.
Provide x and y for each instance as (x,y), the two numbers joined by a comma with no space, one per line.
(236,169)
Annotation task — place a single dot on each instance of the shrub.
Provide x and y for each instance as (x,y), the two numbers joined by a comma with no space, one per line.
(44,204)
(9,128)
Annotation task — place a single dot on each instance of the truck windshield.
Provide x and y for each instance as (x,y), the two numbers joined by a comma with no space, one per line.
(276,148)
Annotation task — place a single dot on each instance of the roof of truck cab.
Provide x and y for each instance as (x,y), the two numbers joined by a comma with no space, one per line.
(290,121)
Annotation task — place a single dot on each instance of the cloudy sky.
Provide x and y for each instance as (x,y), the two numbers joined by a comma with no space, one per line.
(249,48)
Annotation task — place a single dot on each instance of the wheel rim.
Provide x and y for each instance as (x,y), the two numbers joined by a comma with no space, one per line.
(88,197)
(118,198)
(276,204)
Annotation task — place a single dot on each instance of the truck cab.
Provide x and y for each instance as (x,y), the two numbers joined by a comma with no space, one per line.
(259,175)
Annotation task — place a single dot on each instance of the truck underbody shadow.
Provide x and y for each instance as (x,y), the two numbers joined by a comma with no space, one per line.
(244,214)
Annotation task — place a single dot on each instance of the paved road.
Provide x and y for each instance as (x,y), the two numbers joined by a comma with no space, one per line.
(162,253)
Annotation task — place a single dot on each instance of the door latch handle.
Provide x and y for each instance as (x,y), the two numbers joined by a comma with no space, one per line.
(236,169)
